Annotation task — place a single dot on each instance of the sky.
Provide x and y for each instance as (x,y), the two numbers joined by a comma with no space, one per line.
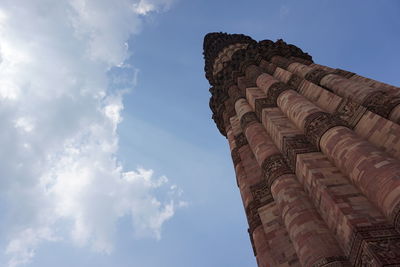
(109,154)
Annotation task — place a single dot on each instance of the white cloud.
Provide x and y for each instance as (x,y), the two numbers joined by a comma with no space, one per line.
(60,176)
(143,7)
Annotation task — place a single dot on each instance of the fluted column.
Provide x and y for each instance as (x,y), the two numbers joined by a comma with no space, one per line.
(377,97)
(320,177)
(379,131)
(316,152)
(267,232)
(312,240)
(370,169)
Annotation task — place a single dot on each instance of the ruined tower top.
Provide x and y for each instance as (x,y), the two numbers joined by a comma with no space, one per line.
(215,42)
(227,55)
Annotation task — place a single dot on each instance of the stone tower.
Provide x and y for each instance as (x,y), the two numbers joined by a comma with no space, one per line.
(316,152)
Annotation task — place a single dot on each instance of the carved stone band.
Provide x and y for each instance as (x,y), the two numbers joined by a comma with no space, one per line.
(235,94)
(261,193)
(261,197)
(350,112)
(274,91)
(268,67)
(343,73)
(253,218)
(377,245)
(380,103)
(240,140)
(261,103)
(247,119)
(295,81)
(331,262)
(396,217)
(315,76)
(296,144)
(282,62)
(274,167)
(316,124)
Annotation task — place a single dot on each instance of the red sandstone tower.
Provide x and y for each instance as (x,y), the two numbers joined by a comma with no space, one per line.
(316,152)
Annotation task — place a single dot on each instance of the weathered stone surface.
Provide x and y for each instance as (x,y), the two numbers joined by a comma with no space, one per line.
(316,152)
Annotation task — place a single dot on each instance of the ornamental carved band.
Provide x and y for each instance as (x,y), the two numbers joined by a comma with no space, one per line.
(247,119)
(350,112)
(261,193)
(331,262)
(268,67)
(240,140)
(261,197)
(338,204)
(295,81)
(261,103)
(396,217)
(296,144)
(377,245)
(380,103)
(253,218)
(282,62)
(275,90)
(316,124)
(274,167)
(316,75)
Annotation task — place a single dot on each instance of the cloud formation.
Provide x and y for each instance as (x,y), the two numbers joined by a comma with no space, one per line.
(59,112)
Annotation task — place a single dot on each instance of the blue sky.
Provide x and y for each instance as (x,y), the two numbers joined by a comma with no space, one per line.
(110,156)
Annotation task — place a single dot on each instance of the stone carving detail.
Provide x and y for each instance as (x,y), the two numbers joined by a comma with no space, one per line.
(261,103)
(253,218)
(252,72)
(268,67)
(240,140)
(275,90)
(235,94)
(231,54)
(274,167)
(316,124)
(350,112)
(396,217)
(295,81)
(269,49)
(225,55)
(244,83)
(343,73)
(296,144)
(230,108)
(282,62)
(235,156)
(272,96)
(377,245)
(315,76)
(247,119)
(261,193)
(302,60)
(215,42)
(261,197)
(386,251)
(380,103)
(366,261)
(330,261)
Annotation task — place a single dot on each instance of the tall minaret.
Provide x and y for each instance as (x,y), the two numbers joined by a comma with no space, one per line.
(316,152)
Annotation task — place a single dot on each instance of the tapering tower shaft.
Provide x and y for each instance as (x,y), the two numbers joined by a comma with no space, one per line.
(316,152)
